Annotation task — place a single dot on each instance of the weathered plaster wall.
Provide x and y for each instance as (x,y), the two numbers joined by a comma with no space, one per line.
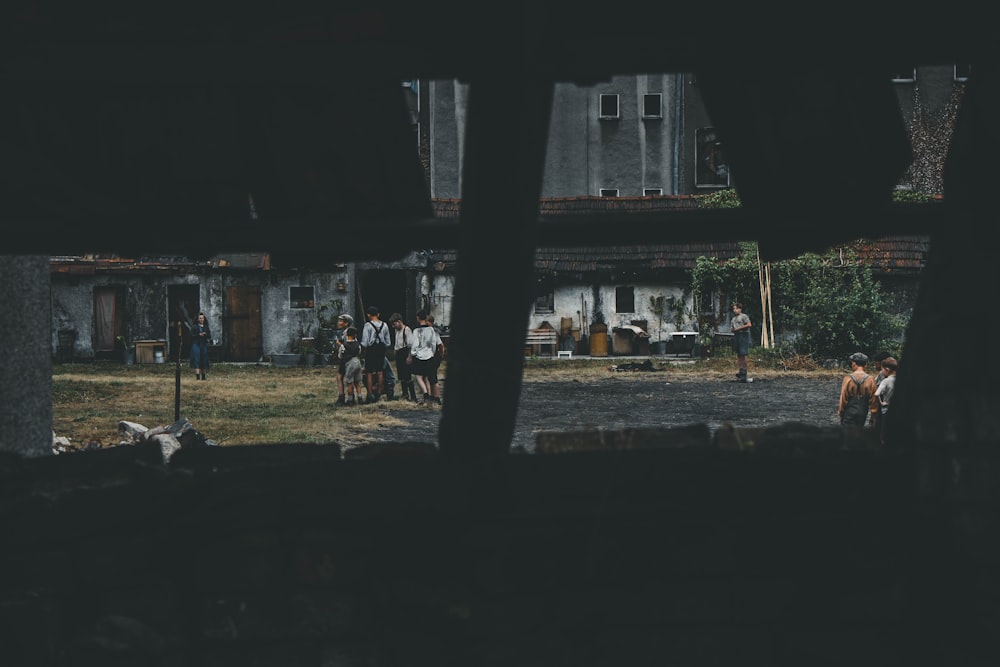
(569,302)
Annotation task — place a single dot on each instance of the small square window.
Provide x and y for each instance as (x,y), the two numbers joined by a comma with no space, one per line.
(652,192)
(652,105)
(905,75)
(625,299)
(301,297)
(962,71)
(609,192)
(545,303)
(609,107)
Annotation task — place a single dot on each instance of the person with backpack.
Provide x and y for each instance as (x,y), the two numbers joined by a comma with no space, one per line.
(857,394)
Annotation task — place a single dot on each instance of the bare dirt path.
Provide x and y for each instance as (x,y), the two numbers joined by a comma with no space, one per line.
(619,400)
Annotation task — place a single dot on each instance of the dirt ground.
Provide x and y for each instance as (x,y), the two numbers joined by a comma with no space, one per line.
(660,398)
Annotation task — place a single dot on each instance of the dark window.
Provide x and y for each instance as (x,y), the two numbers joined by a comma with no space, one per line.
(301,297)
(652,192)
(905,74)
(652,106)
(609,192)
(609,106)
(711,169)
(625,299)
(545,300)
(545,303)
(962,71)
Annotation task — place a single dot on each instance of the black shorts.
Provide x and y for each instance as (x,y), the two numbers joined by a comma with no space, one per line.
(375,358)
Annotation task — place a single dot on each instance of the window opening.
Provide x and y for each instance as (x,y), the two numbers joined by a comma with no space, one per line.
(609,106)
(652,105)
(301,297)
(625,299)
(905,75)
(711,169)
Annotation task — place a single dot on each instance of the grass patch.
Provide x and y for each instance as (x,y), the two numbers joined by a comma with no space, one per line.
(261,404)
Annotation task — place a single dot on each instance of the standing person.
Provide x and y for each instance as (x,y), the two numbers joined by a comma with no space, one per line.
(344,322)
(352,365)
(425,343)
(857,394)
(375,341)
(741,339)
(877,360)
(439,353)
(884,391)
(401,350)
(201,334)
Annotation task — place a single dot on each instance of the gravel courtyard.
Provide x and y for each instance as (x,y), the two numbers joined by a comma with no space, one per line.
(660,398)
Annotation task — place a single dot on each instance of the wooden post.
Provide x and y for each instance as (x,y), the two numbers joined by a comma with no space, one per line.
(177,377)
(764,340)
(770,302)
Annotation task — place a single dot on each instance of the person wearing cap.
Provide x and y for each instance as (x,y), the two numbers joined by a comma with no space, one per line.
(858,385)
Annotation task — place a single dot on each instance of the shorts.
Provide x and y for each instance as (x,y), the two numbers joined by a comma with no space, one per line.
(352,371)
(426,368)
(375,358)
(741,343)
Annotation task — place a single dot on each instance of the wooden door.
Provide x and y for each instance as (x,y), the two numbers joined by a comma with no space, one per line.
(109,317)
(243,338)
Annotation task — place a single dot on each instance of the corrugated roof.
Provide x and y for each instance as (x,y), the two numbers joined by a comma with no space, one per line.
(891,253)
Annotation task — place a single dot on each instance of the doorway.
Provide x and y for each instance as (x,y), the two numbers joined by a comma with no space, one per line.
(244,337)
(389,289)
(109,317)
(183,305)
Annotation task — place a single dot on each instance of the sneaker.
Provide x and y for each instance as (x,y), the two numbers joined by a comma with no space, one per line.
(351,402)
(340,400)
(436,399)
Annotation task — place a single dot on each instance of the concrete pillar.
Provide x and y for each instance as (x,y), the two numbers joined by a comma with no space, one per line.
(26,342)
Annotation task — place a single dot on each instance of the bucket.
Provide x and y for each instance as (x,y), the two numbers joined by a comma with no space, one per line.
(158,356)
(599,344)
(599,340)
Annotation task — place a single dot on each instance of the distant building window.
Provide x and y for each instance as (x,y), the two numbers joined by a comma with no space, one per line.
(711,169)
(609,192)
(962,72)
(609,107)
(905,75)
(652,105)
(545,303)
(545,300)
(625,299)
(301,297)
(652,192)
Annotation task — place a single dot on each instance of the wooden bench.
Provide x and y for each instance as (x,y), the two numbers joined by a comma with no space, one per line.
(538,338)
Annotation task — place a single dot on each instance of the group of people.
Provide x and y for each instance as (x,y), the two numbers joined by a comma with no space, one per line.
(363,362)
(873,394)
(418,351)
(863,399)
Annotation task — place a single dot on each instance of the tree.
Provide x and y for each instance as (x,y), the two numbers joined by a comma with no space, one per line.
(834,304)
(830,303)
